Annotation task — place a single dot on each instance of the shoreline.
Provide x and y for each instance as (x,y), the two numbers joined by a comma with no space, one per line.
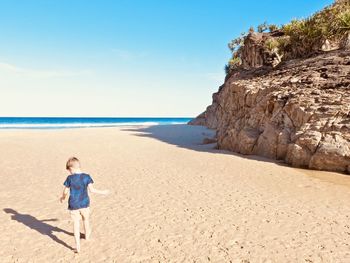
(85,122)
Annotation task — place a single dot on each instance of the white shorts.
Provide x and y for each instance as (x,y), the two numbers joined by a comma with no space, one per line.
(83,212)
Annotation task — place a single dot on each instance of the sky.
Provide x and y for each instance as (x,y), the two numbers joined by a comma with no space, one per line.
(123,58)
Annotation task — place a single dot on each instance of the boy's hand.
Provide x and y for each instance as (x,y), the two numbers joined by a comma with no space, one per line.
(64,194)
(96,191)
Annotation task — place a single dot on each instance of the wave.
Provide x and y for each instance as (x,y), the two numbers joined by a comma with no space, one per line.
(72,125)
(80,125)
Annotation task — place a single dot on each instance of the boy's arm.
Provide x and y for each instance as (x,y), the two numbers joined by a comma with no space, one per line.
(64,194)
(95,191)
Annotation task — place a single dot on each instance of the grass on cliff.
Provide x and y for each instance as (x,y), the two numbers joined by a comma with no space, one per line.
(302,37)
(307,35)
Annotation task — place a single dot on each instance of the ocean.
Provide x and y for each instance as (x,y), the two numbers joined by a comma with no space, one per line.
(85,122)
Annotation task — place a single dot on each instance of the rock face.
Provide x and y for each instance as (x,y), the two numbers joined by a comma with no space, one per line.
(256,52)
(298,112)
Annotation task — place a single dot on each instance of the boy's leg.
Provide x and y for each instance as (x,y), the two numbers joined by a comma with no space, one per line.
(76,228)
(85,213)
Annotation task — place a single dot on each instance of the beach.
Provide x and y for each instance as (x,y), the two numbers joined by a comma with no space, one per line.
(172,199)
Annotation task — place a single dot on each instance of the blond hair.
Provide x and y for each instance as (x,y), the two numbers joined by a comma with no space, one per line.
(71,162)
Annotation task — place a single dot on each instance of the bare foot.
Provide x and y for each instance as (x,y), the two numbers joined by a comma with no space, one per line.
(77,250)
(87,235)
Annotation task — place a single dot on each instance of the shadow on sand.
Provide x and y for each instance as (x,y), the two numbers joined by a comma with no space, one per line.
(39,225)
(190,137)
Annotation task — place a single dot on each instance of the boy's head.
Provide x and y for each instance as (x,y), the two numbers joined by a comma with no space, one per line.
(73,164)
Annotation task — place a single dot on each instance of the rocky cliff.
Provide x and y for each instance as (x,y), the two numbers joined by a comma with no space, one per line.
(298,111)
(286,94)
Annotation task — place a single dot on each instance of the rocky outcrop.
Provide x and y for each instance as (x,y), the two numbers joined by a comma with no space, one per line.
(199,120)
(298,112)
(345,43)
(258,50)
(208,118)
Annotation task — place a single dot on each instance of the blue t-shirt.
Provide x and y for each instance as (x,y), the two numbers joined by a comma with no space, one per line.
(78,196)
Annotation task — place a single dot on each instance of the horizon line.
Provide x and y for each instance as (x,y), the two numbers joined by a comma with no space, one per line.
(111,117)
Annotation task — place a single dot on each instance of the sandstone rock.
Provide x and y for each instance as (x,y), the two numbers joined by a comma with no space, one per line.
(256,54)
(282,144)
(332,154)
(345,43)
(326,46)
(209,140)
(298,156)
(247,139)
(298,112)
(294,80)
(252,55)
(199,120)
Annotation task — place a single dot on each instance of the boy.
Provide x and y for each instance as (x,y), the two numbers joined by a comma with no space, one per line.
(77,183)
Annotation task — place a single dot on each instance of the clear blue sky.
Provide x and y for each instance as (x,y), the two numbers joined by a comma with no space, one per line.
(123,58)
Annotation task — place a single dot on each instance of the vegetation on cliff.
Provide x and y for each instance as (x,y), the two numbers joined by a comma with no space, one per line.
(325,30)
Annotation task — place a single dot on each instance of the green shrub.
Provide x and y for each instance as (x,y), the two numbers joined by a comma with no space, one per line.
(271,44)
(233,63)
(236,43)
(308,35)
(344,21)
(273,27)
(283,42)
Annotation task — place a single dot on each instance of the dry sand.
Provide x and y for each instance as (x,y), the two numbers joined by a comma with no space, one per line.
(172,200)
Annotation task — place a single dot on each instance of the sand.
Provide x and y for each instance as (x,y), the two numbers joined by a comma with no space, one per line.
(172,200)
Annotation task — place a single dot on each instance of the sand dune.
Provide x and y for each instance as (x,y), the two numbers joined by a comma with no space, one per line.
(172,200)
